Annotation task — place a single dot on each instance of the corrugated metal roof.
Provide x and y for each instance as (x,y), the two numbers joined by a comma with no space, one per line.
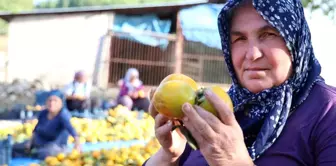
(124,9)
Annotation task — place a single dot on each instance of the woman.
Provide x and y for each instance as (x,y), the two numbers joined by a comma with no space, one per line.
(132,93)
(78,93)
(284,113)
(51,133)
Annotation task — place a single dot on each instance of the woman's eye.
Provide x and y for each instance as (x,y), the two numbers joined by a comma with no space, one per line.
(267,35)
(238,39)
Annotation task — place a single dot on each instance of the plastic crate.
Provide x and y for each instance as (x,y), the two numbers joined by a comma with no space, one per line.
(6,151)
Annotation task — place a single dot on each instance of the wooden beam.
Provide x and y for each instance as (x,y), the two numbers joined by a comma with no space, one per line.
(141,62)
(205,57)
(201,66)
(170,37)
(178,46)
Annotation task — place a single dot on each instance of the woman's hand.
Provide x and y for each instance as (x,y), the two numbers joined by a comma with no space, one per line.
(172,142)
(79,97)
(78,145)
(133,94)
(220,139)
(78,148)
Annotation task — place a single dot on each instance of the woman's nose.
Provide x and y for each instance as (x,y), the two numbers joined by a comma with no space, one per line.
(253,52)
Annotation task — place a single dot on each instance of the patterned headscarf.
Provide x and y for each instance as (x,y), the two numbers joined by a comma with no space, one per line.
(262,116)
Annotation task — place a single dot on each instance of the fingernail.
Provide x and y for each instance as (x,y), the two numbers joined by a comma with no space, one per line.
(169,123)
(186,107)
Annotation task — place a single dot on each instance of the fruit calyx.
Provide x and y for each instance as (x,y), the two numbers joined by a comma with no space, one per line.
(200,96)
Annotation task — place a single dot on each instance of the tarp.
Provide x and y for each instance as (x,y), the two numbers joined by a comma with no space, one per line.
(135,25)
(199,24)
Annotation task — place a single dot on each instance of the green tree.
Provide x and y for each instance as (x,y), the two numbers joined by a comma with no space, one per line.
(80,3)
(47,4)
(327,6)
(13,6)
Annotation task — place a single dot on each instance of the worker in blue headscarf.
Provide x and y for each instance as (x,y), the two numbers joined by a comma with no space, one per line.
(51,133)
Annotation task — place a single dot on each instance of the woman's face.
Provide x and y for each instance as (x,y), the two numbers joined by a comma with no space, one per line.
(260,57)
(82,78)
(134,77)
(54,104)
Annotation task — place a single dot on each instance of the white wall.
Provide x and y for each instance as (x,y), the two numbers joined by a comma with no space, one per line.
(54,46)
(323,30)
(3,61)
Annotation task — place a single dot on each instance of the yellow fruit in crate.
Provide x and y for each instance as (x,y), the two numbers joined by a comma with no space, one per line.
(110,163)
(82,140)
(74,155)
(29,107)
(140,159)
(67,162)
(110,138)
(89,138)
(60,156)
(104,152)
(71,140)
(34,164)
(38,107)
(102,138)
(78,162)
(111,156)
(94,140)
(52,161)
(34,121)
(88,161)
(112,113)
(28,130)
(48,159)
(147,156)
(96,154)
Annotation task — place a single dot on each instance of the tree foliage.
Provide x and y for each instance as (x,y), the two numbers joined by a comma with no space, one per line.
(81,3)
(13,6)
(327,6)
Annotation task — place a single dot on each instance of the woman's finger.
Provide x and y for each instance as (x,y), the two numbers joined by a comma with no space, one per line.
(152,111)
(224,112)
(151,93)
(211,119)
(164,134)
(195,134)
(160,120)
(202,128)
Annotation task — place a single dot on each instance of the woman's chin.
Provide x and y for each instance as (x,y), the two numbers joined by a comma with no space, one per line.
(256,85)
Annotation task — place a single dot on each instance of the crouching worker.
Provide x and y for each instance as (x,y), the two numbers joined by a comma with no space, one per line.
(51,133)
(78,93)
